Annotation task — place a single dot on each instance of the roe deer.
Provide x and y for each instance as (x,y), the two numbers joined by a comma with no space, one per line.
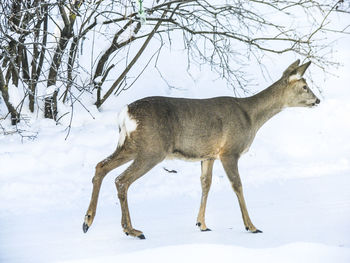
(155,128)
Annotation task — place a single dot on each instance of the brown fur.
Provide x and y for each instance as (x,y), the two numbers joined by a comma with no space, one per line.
(197,130)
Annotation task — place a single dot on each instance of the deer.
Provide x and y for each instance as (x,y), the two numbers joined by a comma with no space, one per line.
(153,129)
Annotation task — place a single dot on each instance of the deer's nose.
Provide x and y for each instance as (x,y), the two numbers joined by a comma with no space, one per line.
(318,101)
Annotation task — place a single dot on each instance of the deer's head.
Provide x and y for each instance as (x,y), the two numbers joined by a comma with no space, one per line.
(297,92)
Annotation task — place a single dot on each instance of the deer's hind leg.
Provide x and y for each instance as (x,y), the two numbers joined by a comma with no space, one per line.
(206,178)
(141,165)
(118,158)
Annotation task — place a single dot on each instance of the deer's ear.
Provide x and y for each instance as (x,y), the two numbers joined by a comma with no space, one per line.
(291,67)
(298,72)
(301,70)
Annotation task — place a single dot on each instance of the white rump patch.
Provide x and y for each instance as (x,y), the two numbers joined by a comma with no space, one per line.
(126,125)
(295,77)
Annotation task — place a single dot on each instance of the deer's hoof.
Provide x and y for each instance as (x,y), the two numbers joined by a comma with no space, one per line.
(142,236)
(134,233)
(253,231)
(85,227)
(199,224)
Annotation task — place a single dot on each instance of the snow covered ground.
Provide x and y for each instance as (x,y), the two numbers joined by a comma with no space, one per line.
(295,178)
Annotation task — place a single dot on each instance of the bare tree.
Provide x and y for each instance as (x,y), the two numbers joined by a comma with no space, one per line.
(227,35)
(23,38)
(41,42)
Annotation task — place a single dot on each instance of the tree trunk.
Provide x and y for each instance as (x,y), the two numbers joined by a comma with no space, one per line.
(5,95)
(51,106)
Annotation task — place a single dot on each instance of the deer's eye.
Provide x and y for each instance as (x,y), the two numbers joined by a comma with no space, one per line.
(305,87)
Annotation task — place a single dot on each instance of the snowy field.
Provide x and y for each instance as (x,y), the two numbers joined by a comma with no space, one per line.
(295,178)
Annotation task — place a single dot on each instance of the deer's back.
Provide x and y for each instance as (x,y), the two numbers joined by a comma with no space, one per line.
(192,129)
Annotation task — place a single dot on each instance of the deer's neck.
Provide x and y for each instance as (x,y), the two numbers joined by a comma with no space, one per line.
(267,103)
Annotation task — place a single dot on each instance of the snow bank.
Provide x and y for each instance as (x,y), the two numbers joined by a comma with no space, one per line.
(295,179)
(295,252)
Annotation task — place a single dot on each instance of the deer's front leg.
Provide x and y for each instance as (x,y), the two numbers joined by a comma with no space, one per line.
(230,164)
(206,177)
